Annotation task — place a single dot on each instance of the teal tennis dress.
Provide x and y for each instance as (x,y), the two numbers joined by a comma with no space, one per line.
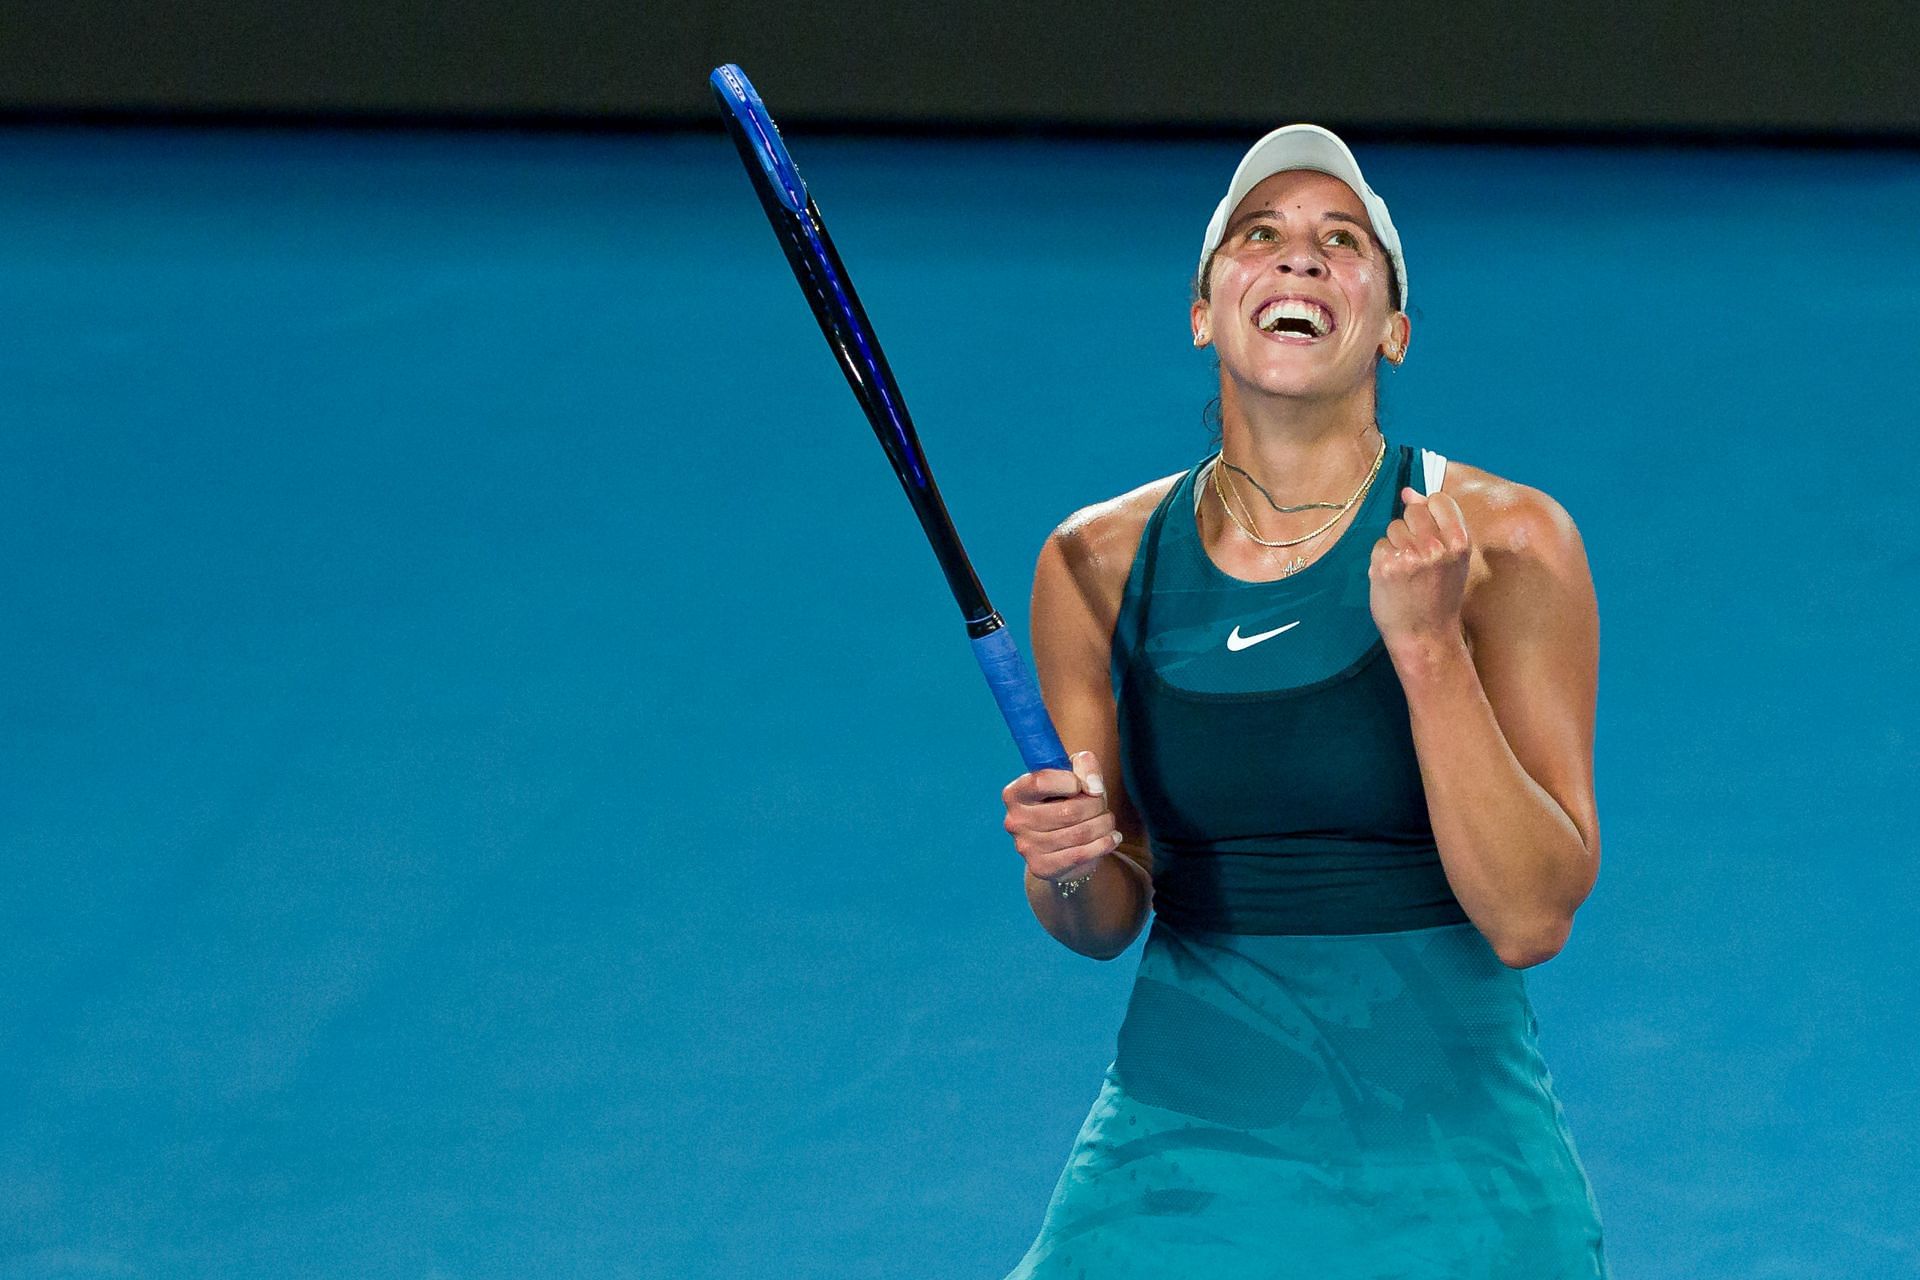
(1324,1072)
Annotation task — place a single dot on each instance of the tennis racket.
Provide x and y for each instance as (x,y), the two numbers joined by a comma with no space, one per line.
(829,290)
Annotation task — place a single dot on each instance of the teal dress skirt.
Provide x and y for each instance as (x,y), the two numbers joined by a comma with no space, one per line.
(1324,1071)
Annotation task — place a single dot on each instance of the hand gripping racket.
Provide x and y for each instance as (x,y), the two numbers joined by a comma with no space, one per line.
(796,221)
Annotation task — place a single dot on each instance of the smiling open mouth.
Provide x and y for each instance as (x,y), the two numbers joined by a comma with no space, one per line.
(1294,318)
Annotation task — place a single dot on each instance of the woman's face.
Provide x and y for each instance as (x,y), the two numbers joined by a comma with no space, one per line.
(1300,291)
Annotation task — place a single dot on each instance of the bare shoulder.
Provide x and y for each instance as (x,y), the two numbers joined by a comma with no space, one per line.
(1101,539)
(1505,517)
(1520,534)
(1096,545)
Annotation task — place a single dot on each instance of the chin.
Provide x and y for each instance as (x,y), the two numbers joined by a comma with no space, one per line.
(1295,388)
(1297,384)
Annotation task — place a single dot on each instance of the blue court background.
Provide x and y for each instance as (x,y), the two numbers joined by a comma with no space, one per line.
(492,784)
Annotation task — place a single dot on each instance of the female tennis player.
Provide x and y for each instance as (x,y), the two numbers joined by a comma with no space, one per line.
(1331,699)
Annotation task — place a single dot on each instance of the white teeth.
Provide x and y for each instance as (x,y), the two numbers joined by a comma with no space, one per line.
(1295,309)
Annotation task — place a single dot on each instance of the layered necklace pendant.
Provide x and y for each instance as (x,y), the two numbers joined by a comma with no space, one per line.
(1298,562)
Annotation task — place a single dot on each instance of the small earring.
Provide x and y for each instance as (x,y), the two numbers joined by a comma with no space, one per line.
(1200,338)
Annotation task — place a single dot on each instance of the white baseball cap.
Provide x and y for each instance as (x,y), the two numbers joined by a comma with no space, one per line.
(1305,146)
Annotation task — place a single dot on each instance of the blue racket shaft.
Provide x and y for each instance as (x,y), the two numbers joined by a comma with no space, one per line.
(796,223)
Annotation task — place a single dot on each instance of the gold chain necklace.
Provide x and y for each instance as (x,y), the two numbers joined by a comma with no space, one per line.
(1346,506)
(1296,509)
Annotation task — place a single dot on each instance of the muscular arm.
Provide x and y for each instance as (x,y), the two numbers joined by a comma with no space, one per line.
(1503,721)
(1077,587)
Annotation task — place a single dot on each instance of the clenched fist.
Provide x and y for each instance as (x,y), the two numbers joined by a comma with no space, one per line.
(1418,575)
(1059,821)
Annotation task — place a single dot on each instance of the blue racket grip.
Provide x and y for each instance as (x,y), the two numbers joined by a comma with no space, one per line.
(1019,698)
(740,97)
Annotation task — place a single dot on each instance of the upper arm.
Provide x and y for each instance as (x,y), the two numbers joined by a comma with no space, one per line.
(1077,586)
(1534,628)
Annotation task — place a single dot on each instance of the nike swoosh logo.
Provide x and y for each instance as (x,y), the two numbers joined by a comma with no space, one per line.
(1236,642)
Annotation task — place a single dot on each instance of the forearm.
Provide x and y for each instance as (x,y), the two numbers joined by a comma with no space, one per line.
(1515,859)
(1099,919)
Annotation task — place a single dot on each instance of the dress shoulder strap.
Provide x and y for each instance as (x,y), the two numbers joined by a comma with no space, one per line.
(1130,623)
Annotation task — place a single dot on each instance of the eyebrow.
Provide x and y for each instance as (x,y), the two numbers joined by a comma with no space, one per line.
(1334,214)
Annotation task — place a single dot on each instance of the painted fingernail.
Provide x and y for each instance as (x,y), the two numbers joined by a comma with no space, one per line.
(1118,838)
(1096,785)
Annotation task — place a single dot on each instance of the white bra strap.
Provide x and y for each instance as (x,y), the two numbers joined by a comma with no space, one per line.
(1200,482)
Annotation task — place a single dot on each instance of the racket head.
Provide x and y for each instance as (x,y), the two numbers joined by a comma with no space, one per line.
(829,291)
(836,306)
(752,124)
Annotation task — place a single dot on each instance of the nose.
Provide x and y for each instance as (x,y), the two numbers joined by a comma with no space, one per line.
(1302,258)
